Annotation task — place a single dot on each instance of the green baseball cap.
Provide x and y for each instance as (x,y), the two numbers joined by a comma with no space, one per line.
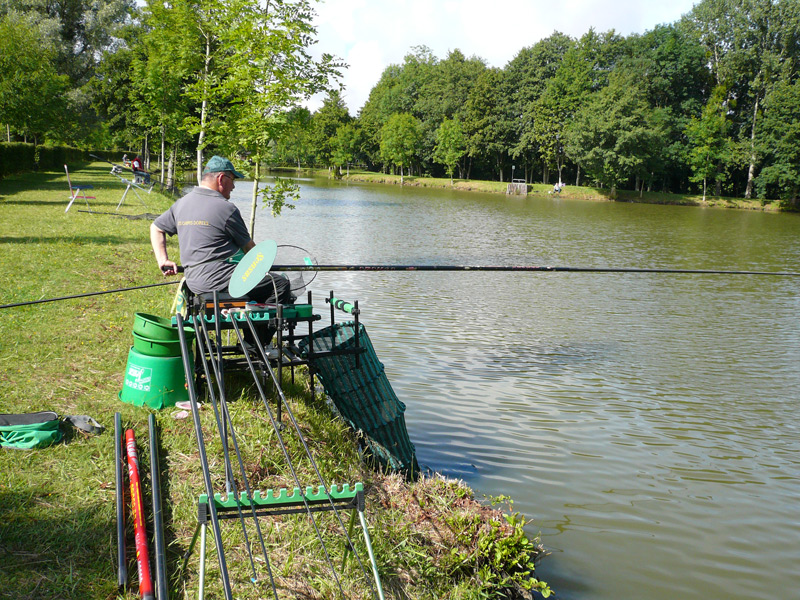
(218,164)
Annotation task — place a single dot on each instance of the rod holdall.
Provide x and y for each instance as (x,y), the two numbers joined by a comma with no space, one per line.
(28,431)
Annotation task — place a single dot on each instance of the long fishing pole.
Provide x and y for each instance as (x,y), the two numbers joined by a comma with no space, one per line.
(188,372)
(496,268)
(282,398)
(206,345)
(524,268)
(285,451)
(87,294)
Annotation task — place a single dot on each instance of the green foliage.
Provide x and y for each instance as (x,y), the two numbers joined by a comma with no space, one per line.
(294,145)
(282,194)
(400,139)
(325,126)
(779,143)
(709,144)
(451,145)
(71,35)
(16,157)
(488,122)
(615,135)
(346,144)
(32,93)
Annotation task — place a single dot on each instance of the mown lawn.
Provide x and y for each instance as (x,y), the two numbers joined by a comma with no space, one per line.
(57,505)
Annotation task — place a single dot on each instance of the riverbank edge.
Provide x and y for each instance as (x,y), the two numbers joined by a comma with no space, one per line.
(570,192)
(71,359)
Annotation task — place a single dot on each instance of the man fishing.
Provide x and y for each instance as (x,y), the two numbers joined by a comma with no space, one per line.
(211,232)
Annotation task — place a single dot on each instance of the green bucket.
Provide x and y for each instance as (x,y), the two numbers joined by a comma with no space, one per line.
(155,328)
(151,347)
(156,381)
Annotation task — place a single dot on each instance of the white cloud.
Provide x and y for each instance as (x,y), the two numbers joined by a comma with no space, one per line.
(370,35)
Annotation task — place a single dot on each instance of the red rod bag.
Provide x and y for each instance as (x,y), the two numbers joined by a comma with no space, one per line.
(139,532)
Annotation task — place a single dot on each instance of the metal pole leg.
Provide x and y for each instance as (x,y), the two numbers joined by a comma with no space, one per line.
(125,193)
(201,592)
(371,555)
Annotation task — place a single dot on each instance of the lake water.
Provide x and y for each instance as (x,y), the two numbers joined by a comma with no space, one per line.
(649,424)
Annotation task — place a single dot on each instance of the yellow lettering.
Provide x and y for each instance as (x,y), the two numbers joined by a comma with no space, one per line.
(251,268)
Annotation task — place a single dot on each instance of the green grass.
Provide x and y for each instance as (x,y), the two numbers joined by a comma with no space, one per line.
(57,505)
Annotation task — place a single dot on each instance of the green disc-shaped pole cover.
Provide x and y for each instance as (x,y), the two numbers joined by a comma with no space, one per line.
(252,269)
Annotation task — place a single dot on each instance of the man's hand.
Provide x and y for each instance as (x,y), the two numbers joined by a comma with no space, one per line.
(168,268)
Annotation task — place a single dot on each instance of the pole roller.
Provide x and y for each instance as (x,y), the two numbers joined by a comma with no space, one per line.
(137,508)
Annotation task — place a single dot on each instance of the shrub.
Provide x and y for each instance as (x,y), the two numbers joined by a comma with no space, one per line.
(15,157)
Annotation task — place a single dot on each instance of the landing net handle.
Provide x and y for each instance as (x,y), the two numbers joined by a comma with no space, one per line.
(346,307)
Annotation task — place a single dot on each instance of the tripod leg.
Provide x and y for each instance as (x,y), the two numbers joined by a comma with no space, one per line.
(371,555)
(201,592)
(125,193)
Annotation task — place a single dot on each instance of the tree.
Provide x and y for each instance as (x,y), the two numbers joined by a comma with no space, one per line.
(403,88)
(76,32)
(528,76)
(779,144)
(672,69)
(31,92)
(400,139)
(269,71)
(708,141)
(166,57)
(487,123)
(346,145)
(325,123)
(450,145)
(751,45)
(615,135)
(294,145)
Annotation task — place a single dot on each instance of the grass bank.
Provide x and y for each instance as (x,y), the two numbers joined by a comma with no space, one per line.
(432,539)
(570,191)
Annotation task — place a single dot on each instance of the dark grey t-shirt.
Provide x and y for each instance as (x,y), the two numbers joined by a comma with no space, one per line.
(210,229)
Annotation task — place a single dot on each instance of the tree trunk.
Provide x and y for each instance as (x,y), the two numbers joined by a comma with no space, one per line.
(704,189)
(161,156)
(254,204)
(8,133)
(203,111)
(751,171)
(401,174)
(578,177)
(171,167)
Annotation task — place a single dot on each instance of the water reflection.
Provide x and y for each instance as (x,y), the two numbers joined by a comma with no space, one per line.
(648,423)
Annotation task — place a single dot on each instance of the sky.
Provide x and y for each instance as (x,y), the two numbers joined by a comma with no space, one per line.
(370,35)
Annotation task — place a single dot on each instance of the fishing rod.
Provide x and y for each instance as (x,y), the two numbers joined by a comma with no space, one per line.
(205,345)
(188,371)
(282,398)
(285,451)
(87,294)
(444,268)
(524,269)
